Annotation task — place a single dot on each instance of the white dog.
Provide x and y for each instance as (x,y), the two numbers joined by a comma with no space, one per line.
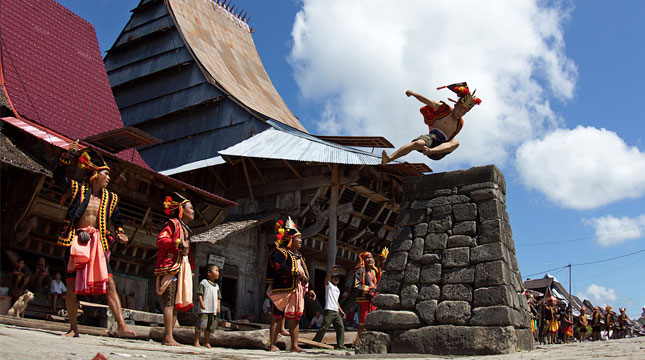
(20,305)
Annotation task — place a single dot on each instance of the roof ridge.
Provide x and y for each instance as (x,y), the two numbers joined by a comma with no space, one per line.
(235,16)
(70,12)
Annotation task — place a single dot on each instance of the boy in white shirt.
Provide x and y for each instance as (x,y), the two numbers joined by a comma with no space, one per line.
(209,295)
(333,313)
(57,289)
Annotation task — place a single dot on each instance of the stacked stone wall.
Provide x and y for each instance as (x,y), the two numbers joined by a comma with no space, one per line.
(451,284)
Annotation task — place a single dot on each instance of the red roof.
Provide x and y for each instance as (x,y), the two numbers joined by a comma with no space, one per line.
(54,73)
(53,69)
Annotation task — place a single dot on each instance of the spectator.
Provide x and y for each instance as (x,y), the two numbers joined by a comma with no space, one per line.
(209,296)
(333,312)
(57,289)
(40,276)
(316,321)
(266,310)
(20,279)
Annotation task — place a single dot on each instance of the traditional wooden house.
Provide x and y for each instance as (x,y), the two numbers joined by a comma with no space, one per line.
(187,72)
(55,90)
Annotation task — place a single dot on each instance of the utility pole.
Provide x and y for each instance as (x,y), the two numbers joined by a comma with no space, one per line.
(570,304)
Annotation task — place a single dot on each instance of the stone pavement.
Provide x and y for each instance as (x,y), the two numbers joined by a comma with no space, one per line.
(24,343)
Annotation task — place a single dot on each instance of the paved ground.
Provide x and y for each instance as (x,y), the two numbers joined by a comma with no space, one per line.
(24,343)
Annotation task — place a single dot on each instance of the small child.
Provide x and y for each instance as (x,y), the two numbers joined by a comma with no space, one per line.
(58,289)
(209,295)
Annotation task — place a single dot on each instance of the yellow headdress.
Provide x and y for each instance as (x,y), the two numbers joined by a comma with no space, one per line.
(85,162)
(170,205)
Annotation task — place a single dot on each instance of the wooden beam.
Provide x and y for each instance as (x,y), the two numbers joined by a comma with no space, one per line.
(292,169)
(323,219)
(264,180)
(138,229)
(333,219)
(319,192)
(248,182)
(219,180)
(35,192)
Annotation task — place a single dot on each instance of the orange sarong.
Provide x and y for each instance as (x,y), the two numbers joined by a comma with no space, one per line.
(90,263)
(184,297)
(292,303)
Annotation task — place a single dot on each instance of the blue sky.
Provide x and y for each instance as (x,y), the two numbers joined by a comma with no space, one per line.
(561,88)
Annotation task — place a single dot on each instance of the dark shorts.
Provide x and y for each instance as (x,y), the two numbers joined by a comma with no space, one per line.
(72,275)
(582,329)
(168,297)
(596,329)
(433,139)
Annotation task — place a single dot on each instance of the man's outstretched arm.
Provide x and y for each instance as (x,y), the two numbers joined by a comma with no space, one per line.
(423,99)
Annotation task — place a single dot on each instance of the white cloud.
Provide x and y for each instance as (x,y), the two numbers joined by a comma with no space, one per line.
(583,168)
(357,58)
(612,230)
(599,295)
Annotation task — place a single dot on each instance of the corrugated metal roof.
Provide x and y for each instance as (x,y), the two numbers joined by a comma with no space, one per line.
(286,143)
(217,160)
(224,47)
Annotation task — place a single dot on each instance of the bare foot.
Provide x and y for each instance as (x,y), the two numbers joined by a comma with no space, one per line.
(171,342)
(284,333)
(384,158)
(296,349)
(274,348)
(70,334)
(208,345)
(197,344)
(125,332)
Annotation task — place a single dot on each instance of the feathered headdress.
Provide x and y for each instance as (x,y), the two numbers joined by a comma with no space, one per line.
(361,259)
(86,163)
(466,99)
(552,300)
(286,231)
(170,205)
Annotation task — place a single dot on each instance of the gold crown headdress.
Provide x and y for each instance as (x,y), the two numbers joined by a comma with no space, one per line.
(286,231)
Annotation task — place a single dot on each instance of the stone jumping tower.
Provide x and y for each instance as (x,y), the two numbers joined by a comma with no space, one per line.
(451,283)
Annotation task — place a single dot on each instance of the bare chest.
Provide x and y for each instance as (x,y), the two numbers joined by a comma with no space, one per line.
(447,124)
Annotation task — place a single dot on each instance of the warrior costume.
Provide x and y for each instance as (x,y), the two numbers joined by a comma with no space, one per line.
(287,268)
(174,271)
(436,137)
(364,277)
(88,260)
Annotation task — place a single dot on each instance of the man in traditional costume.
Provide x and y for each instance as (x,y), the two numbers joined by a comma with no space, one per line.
(290,283)
(609,321)
(596,324)
(582,324)
(552,324)
(175,264)
(623,319)
(87,237)
(443,122)
(366,278)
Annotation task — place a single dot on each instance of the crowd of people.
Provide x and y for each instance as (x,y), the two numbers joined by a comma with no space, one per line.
(552,322)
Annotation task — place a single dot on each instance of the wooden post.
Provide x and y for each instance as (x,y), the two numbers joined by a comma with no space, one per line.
(333,219)
(248,182)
